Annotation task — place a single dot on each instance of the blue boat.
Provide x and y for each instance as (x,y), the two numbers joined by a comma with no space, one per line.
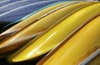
(14,5)
(18,13)
(5,2)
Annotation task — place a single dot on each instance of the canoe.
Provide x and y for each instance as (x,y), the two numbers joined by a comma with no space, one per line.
(37,27)
(83,45)
(23,18)
(46,42)
(5,2)
(14,5)
(11,15)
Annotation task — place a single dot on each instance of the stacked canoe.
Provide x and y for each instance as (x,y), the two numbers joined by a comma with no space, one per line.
(61,32)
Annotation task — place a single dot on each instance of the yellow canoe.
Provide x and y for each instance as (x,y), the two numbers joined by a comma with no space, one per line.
(58,33)
(78,48)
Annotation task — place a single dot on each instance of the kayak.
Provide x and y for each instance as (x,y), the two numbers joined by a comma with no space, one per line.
(46,42)
(36,28)
(11,16)
(14,5)
(79,49)
(5,2)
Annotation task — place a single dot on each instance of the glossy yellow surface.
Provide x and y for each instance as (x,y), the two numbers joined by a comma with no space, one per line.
(40,27)
(57,34)
(16,28)
(36,28)
(95,61)
(79,47)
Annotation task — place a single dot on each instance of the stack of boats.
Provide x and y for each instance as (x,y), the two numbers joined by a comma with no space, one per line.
(64,32)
